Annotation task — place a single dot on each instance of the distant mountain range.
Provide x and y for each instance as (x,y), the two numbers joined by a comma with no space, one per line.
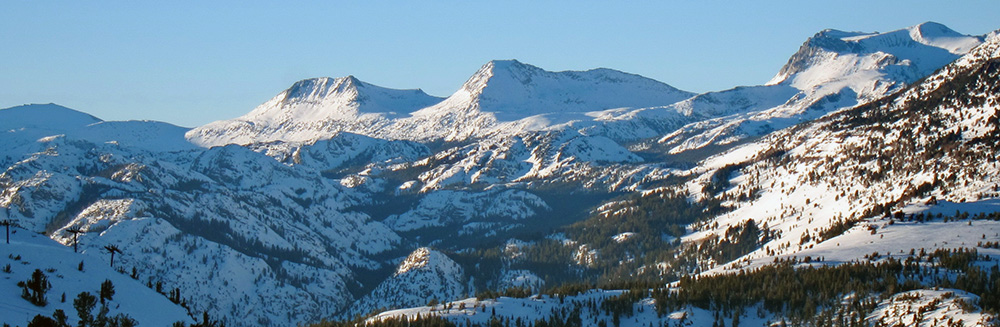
(339,198)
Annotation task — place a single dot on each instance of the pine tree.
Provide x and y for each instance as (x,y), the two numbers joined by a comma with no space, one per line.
(107,290)
(41,321)
(84,304)
(102,318)
(34,288)
(60,317)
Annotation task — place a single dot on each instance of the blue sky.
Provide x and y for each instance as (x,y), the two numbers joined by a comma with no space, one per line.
(189,63)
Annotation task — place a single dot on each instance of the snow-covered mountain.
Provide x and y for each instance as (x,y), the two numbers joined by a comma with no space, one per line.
(507,96)
(934,142)
(867,184)
(832,70)
(502,91)
(425,275)
(315,109)
(233,229)
(338,197)
(904,55)
(23,125)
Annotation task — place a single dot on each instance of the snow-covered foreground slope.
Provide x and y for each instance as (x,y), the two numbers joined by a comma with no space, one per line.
(930,308)
(29,251)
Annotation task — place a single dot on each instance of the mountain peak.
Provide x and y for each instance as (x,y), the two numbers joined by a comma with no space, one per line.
(938,35)
(909,52)
(424,274)
(326,96)
(313,109)
(322,87)
(500,71)
(933,28)
(508,64)
(419,258)
(516,90)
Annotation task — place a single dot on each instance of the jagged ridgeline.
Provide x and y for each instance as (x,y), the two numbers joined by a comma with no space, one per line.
(857,187)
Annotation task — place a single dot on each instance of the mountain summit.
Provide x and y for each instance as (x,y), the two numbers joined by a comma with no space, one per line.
(500,91)
(513,90)
(904,55)
(832,70)
(326,98)
(504,91)
(314,109)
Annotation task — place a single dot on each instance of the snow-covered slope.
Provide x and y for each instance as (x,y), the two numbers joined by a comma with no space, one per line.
(840,189)
(505,91)
(23,125)
(29,251)
(924,307)
(315,109)
(832,70)
(905,54)
(933,143)
(293,212)
(424,275)
(502,91)
(478,213)
(241,234)
(343,151)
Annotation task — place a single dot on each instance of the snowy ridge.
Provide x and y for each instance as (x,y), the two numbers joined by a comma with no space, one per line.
(513,90)
(919,49)
(502,91)
(506,97)
(315,109)
(423,276)
(831,71)
(43,117)
(22,126)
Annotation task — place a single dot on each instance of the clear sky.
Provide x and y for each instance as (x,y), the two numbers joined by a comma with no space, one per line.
(189,63)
